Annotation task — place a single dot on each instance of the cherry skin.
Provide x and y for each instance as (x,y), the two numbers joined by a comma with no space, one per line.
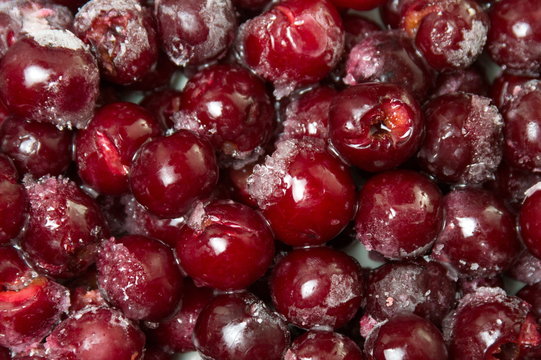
(323,345)
(259,333)
(140,276)
(469,80)
(526,268)
(357,28)
(295,43)
(14,272)
(530,223)
(375,126)
(506,88)
(225,245)
(306,194)
(169,173)
(361,5)
(36,148)
(163,105)
(13,201)
(317,287)
(532,295)
(105,149)
(512,183)
(392,219)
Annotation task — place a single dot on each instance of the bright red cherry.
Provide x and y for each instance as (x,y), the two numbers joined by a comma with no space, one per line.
(530,223)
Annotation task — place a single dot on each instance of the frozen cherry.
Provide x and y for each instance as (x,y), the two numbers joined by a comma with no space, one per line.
(526,268)
(231,107)
(489,324)
(530,223)
(252,5)
(464,136)
(82,297)
(105,149)
(514,39)
(36,148)
(469,80)
(12,201)
(469,285)
(389,56)
(238,182)
(225,245)
(532,295)
(27,315)
(96,333)
(50,76)
(391,12)
(375,126)
(323,345)
(306,193)
(419,287)
(507,87)
(296,43)
(357,28)
(511,184)
(63,229)
(479,237)
(163,105)
(240,327)
(140,276)
(362,5)
(317,287)
(406,337)
(169,173)
(121,35)
(193,32)
(175,334)
(14,272)
(400,214)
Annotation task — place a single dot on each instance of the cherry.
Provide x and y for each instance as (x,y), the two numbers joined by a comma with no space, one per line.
(140,276)
(295,43)
(530,223)
(361,5)
(225,245)
(526,268)
(105,149)
(323,345)
(511,184)
(82,297)
(96,333)
(239,326)
(357,28)
(317,287)
(469,80)
(14,272)
(506,88)
(306,193)
(532,295)
(163,104)
(375,126)
(12,201)
(238,182)
(252,5)
(472,284)
(169,173)
(400,214)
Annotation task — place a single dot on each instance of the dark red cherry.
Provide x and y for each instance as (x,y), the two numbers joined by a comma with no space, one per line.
(122,37)
(306,193)
(63,229)
(169,173)
(239,326)
(361,5)
(357,28)
(532,295)
(469,80)
(507,87)
(469,285)
(14,272)
(530,222)
(323,345)
(163,105)
(526,268)
(375,126)
(105,149)
(140,276)
(406,337)
(463,141)
(391,12)
(36,148)
(82,297)
(238,181)
(50,76)
(252,5)
(511,184)
(4,354)
(295,43)
(479,237)
(12,201)
(317,287)
(96,333)
(400,214)
(225,245)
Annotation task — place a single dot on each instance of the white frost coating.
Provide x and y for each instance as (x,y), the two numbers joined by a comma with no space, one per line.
(341,291)
(471,46)
(197,217)
(56,38)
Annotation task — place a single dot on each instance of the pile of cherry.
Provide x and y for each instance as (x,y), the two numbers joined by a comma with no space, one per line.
(215,217)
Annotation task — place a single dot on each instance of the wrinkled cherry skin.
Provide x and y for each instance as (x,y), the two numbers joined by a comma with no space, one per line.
(12,201)
(317,287)
(323,345)
(96,333)
(163,105)
(29,314)
(506,88)
(105,149)
(514,39)
(469,80)
(296,43)
(490,325)
(464,136)
(522,147)
(530,223)
(419,287)
(408,336)
(228,246)
(169,173)
(36,148)
(389,56)
(375,126)
(122,37)
(231,107)
(400,214)
(140,276)
(63,229)
(27,71)
(258,332)
(175,334)
(194,32)
(479,237)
